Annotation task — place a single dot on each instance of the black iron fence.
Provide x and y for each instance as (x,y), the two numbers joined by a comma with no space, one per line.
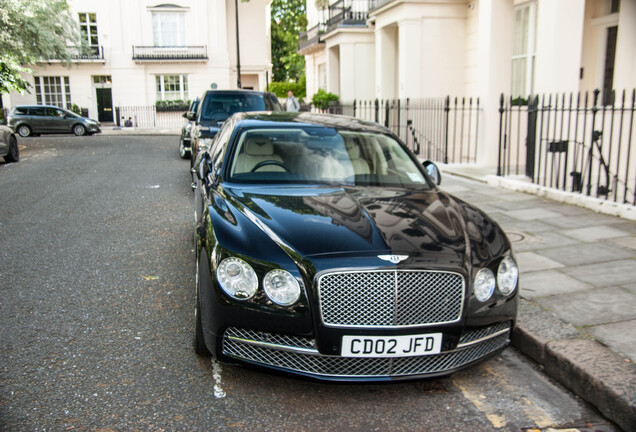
(148,117)
(572,143)
(442,129)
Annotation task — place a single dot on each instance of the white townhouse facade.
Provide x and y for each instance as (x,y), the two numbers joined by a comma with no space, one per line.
(143,51)
(398,49)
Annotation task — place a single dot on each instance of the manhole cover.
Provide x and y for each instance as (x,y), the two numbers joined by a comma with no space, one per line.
(515,237)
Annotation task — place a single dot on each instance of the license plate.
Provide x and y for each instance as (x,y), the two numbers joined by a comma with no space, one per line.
(391,346)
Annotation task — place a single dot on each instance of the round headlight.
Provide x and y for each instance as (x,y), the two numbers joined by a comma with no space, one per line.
(507,276)
(237,278)
(281,287)
(484,284)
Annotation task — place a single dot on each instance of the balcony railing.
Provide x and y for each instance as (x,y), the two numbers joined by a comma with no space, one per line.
(349,13)
(170,53)
(342,13)
(311,36)
(82,54)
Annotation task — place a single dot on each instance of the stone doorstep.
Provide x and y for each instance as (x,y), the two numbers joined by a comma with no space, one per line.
(591,370)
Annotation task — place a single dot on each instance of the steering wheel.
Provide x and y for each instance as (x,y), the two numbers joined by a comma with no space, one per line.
(270,162)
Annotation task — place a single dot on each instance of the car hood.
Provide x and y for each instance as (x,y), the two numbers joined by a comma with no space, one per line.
(212,124)
(364,221)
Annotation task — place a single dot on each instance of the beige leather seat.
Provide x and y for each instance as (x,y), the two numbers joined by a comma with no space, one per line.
(256,150)
(360,166)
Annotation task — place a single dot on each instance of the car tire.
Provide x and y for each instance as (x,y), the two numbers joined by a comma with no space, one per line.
(199,341)
(79,130)
(185,154)
(24,131)
(14,152)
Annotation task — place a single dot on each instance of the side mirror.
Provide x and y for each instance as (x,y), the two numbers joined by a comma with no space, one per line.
(433,171)
(185,115)
(203,167)
(190,115)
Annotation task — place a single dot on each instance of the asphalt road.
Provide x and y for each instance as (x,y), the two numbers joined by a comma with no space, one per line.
(96,318)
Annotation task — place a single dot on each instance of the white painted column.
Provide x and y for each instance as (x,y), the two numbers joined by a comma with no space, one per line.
(333,69)
(493,73)
(559,45)
(410,71)
(625,64)
(386,62)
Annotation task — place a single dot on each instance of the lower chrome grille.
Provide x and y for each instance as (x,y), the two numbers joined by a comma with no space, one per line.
(296,355)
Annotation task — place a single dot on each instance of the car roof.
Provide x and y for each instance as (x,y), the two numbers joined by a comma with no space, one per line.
(238,91)
(291,119)
(39,106)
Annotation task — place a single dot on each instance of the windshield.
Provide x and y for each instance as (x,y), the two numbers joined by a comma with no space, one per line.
(220,106)
(322,155)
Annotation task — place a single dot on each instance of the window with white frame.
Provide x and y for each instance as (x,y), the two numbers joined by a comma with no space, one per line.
(523,50)
(53,90)
(172,87)
(169,28)
(88,29)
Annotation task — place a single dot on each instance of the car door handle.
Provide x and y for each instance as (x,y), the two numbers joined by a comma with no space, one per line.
(193,186)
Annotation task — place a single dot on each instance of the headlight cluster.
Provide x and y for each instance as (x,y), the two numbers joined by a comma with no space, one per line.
(506,281)
(238,280)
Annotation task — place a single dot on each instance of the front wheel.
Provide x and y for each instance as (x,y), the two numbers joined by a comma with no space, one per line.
(185,154)
(79,130)
(24,131)
(14,153)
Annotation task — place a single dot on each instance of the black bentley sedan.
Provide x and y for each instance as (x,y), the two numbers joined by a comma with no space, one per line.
(325,249)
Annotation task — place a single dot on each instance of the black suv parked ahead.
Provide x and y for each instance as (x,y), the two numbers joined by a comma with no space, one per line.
(185,141)
(217,105)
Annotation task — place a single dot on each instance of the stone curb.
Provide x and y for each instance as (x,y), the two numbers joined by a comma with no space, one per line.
(589,369)
(140,132)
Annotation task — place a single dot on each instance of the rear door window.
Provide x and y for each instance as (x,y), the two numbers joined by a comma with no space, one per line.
(37,111)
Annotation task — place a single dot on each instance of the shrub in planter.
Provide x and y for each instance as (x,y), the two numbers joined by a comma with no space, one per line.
(323,99)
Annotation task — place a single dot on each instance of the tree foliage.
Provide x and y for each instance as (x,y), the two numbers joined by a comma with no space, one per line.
(288,19)
(31,31)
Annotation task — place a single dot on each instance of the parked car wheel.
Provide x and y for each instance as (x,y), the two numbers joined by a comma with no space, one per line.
(24,131)
(14,153)
(185,154)
(79,130)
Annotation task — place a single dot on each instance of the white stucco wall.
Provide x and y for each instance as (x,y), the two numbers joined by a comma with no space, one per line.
(124,24)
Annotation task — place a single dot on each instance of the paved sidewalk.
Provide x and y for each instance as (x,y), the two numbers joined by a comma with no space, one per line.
(117,130)
(577,316)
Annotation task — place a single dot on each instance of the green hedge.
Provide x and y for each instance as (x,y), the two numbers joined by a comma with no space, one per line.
(172,105)
(299,88)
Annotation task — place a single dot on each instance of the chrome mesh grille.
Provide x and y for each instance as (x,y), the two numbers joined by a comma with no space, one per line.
(336,366)
(390,298)
(480,333)
(271,338)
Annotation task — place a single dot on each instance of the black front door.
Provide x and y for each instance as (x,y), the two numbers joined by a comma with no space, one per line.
(104,105)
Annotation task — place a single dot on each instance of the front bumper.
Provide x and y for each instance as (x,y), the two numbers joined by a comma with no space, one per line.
(299,355)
